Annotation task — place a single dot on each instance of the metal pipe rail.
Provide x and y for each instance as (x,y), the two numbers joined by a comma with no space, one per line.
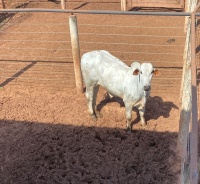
(40,10)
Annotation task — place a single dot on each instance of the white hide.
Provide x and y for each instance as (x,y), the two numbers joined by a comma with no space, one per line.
(102,68)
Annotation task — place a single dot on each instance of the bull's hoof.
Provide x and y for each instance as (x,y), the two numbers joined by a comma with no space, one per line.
(128,130)
(144,125)
(99,115)
(94,118)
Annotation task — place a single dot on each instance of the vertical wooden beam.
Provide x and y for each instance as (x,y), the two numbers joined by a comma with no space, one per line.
(76,53)
(194,124)
(185,114)
(123,5)
(63,4)
(189,7)
(186,138)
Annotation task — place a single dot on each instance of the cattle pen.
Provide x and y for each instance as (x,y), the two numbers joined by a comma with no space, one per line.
(126,42)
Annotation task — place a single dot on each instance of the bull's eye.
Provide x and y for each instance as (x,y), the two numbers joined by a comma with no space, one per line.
(152,71)
(141,72)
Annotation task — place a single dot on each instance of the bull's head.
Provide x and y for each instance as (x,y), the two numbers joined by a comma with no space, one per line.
(145,72)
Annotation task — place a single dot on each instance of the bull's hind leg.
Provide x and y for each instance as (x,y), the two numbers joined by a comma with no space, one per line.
(91,95)
(90,98)
(97,113)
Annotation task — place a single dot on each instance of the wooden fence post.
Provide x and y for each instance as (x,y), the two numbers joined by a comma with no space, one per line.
(186,101)
(2,4)
(123,5)
(185,111)
(63,4)
(76,53)
(189,7)
(194,173)
(185,115)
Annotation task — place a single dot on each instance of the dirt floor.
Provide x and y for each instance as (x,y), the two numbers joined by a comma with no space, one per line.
(46,134)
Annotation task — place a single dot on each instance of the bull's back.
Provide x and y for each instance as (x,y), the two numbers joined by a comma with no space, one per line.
(90,63)
(104,69)
(102,57)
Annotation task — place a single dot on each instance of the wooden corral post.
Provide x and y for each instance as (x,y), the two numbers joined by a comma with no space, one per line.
(123,5)
(194,172)
(183,137)
(189,7)
(185,111)
(2,4)
(76,52)
(63,4)
(186,101)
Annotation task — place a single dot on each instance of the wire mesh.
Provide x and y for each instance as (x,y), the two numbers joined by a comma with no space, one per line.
(36,47)
(35,53)
(162,46)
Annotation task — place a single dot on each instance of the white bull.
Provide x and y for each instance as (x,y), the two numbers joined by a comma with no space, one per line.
(132,84)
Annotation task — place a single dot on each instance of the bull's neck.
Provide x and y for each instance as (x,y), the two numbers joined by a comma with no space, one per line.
(132,85)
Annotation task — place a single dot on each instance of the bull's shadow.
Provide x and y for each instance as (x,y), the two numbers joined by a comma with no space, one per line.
(155,107)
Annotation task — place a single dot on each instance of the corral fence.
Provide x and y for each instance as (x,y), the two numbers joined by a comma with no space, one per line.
(125,4)
(188,135)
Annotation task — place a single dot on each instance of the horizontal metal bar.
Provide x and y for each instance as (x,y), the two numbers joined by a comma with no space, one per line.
(156,36)
(32,2)
(41,10)
(41,71)
(123,26)
(26,48)
(4,55)
(35,41)
(37,63)
(33,78)
(155,61)
(107,43)
(26,32)
(151,53)
(168,78)
(38,23)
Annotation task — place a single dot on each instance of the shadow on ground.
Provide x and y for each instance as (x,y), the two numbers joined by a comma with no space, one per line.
(41,153)
(6,17)
(156,107)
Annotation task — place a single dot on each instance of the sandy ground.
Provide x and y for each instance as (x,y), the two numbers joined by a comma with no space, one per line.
(46,134)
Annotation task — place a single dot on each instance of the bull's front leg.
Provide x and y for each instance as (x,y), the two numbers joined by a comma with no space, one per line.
(141,112)
(128,107)
(141,109)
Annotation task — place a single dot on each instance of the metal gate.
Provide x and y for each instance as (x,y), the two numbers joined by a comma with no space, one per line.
(158,3)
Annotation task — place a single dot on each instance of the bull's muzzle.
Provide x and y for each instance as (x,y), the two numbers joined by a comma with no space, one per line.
(147,88)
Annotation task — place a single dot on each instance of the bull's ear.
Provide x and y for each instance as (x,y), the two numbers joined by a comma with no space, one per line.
(156,73)
(136,72)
